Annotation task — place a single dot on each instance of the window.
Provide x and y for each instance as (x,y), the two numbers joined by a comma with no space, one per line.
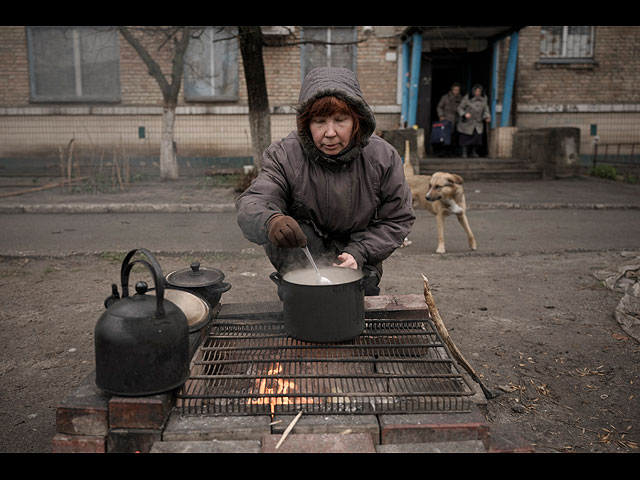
(568,43)
(335,48)
(74,64)
(211,65)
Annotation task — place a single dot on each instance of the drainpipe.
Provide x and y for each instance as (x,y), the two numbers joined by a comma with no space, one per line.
(494,83)
(416,55)
(509,79)
(405,83)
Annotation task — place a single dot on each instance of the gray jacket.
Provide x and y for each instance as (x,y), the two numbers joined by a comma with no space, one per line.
(448,107)
(478,107)
(359,196)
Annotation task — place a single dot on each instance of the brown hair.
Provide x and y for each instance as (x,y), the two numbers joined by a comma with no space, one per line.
(327,106)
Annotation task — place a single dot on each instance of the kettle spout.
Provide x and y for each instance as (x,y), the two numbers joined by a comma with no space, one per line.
(113,297)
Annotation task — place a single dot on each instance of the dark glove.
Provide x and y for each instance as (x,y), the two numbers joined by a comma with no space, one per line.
(284,232)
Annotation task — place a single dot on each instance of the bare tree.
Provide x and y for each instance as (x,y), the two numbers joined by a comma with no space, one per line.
(178,38)
(259,120)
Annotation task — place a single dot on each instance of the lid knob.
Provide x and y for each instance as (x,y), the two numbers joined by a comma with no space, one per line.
(195,268)
(141,288)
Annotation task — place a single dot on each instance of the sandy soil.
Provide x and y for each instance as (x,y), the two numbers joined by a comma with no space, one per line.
(539,328)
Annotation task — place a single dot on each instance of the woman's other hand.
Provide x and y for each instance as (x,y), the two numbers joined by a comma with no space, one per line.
(347,261)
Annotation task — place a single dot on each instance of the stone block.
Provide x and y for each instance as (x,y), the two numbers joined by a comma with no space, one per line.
(342,424)
(465,446)
(319,443)
(208,446)
(193,428)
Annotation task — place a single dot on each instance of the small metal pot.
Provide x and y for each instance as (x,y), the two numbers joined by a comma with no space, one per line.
(204,281)
(323,313)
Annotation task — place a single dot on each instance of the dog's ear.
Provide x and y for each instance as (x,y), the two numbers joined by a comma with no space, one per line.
(456,178)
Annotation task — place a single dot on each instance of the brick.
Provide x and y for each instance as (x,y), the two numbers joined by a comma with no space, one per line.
(62,443)
(319,443)
(433,427)
(132,440)
(84,411)
(140,412)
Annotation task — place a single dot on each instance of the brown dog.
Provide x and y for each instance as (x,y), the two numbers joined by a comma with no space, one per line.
(441,194)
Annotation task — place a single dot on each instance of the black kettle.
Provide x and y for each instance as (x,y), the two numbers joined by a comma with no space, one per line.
(141,341)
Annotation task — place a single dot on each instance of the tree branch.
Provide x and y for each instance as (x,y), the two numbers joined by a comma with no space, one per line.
(154,69)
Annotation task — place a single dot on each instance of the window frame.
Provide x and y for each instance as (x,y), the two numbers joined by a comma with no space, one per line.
(189,95)
(563,58)
(79,96)
(328,29)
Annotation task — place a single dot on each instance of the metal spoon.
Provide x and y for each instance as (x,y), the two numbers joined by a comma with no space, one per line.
(320,279)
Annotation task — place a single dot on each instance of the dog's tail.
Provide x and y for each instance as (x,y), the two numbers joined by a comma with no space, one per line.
(408,167)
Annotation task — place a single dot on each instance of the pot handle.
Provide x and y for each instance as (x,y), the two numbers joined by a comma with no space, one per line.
(156,271)
(221,288)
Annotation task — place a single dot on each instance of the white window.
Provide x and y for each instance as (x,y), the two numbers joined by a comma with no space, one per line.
(211,65)
(568,42)
(73,64)
(328,47)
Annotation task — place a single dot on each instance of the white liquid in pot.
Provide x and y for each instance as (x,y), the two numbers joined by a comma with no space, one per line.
(308,276)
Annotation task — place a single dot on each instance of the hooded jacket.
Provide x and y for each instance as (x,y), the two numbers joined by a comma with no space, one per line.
(358,197)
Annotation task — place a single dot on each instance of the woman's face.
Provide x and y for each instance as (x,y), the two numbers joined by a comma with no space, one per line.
(477,92)
(331,134)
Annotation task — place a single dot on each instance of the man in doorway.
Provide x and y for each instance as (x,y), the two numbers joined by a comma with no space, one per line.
(448,110)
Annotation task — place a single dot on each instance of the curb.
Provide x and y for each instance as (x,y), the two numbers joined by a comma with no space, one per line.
(118,208)
(95,208)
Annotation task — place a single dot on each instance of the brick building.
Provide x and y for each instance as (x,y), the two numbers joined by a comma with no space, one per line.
(54,91)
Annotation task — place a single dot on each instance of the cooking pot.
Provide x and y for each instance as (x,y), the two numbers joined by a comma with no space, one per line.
(323,313)
(141,341)
(204,281)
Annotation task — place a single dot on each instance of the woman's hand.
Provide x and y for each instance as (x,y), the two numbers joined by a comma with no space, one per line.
(467,115)
(347,261)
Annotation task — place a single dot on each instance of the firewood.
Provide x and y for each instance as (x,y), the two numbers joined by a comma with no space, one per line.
(442,330)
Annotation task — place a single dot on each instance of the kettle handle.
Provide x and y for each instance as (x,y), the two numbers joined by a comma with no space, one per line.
(156,272)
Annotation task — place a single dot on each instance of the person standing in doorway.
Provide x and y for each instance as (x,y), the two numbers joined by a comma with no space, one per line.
(474,112)
(447,109)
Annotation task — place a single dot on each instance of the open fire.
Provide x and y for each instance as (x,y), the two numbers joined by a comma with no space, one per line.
(273,390)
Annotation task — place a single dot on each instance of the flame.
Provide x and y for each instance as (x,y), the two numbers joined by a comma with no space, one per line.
(275,386)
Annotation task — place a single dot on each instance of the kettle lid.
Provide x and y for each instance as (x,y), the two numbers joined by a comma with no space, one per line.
(141,306)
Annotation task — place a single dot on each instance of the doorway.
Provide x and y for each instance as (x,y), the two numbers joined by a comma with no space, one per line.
(439,70)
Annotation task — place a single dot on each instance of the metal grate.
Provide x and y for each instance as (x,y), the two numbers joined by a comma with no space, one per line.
(250,367)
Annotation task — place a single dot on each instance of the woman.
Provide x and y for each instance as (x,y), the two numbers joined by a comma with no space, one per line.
(331,185)
(473,110)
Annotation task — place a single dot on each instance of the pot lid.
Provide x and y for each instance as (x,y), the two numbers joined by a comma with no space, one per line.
(195,276)
(194,308)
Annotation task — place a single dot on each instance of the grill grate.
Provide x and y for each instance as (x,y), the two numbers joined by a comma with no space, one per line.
(251,367)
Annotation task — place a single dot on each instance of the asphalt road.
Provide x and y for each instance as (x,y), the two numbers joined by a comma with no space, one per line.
(500,231)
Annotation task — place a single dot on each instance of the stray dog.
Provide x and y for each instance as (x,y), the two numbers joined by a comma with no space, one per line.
(441,194)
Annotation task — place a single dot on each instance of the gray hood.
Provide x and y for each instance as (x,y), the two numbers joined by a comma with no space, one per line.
(343,84)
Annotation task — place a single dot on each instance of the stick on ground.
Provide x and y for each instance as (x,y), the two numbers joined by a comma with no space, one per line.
(442,330)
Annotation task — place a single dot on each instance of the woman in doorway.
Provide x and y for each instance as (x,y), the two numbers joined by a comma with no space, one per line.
(474,112)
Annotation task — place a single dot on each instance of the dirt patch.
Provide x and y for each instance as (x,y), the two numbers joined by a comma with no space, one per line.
(539,328)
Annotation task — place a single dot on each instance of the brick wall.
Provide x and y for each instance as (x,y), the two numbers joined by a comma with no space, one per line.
(613,79)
